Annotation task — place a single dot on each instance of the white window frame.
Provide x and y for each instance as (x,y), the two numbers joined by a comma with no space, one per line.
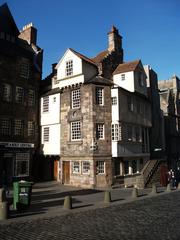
(76,98)
(20,158)
(46,134)
(100,96)
(100,167)
(114,100)
(123,77)
(116,132)
(86,167)
(100,131)
(7,92)
(45,104)
(19,95)
(69,68)
(76,131)
(76,167)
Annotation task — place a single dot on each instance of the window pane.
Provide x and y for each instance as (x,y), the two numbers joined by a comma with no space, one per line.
(86,167)
(100,131)
(76,98)
(69,68)
(5,127)
(19,95)
(31,97)
(100,167)
(46,134)
(75,130)
(24,68)
(99,96)
(18,127)
(76,168)
(31,129)
(114,100)
(6,92)
(46,104)
(21,166)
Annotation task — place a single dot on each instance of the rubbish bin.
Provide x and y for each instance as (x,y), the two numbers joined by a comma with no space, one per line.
(22,195)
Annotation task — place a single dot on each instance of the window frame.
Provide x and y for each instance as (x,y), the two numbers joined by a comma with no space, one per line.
(100,168)
(123,77)
(87,171)
(6,130)
(114,100)
(6,92)
(76,98)
(116,132)
(31,129)
(74,167)
(100,131)
(19,98)
(31,97)
(46,134)
(69,68)
(76,134)
(100,96)
(18,127)
(23,159)
(45,104)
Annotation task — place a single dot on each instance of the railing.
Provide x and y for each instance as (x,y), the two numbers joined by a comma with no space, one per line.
(149,170)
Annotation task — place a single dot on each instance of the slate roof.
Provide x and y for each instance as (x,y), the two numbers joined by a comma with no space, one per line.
(86,59)
(126,67)
(98,58)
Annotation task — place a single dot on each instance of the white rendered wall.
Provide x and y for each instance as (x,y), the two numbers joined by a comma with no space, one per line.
(53,146)
(53,115)
(115,108)
(128,83)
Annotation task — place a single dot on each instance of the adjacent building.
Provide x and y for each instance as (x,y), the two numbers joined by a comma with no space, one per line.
(169,91)
(20,75)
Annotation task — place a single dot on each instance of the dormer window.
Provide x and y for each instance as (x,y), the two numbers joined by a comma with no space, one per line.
(69,68)
(123,77)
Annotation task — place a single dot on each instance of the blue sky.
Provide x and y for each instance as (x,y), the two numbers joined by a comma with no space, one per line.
(150,29)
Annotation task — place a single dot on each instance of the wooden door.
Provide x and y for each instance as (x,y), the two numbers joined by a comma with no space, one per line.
(66,172)
(56,165)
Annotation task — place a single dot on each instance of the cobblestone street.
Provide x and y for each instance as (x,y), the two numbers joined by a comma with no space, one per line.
(146,218)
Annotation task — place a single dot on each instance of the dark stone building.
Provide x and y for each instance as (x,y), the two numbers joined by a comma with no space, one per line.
(20,75)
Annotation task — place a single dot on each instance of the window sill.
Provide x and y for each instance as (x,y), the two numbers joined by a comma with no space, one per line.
(75,142)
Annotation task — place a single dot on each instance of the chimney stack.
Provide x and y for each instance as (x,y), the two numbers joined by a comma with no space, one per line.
(114,40)
(29,33)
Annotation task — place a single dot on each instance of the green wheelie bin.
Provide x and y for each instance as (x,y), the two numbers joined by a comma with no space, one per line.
(22,195)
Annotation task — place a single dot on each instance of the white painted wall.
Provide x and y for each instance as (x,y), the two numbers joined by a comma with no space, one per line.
(115,108)
(53,116)
(53,146)
(61,66)
(128,83)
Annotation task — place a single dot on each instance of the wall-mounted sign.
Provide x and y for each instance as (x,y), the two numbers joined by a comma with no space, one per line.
(16,145)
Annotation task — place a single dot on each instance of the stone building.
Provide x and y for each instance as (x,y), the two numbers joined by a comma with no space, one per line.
(157,138)
(20,75)
(131,123)
(169,91)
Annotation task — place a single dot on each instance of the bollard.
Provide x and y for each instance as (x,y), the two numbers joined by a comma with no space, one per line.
(178,186)
(3,205)
(135,193)
(154,189)
(107,197)
(67,202)
(168,189)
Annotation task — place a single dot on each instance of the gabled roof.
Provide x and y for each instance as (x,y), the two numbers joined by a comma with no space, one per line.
(86,59)
(98,58)
(7,23)
(127,67)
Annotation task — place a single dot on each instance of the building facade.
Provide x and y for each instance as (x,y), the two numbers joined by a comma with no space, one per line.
(170,105)
(131,122)
(20,75)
